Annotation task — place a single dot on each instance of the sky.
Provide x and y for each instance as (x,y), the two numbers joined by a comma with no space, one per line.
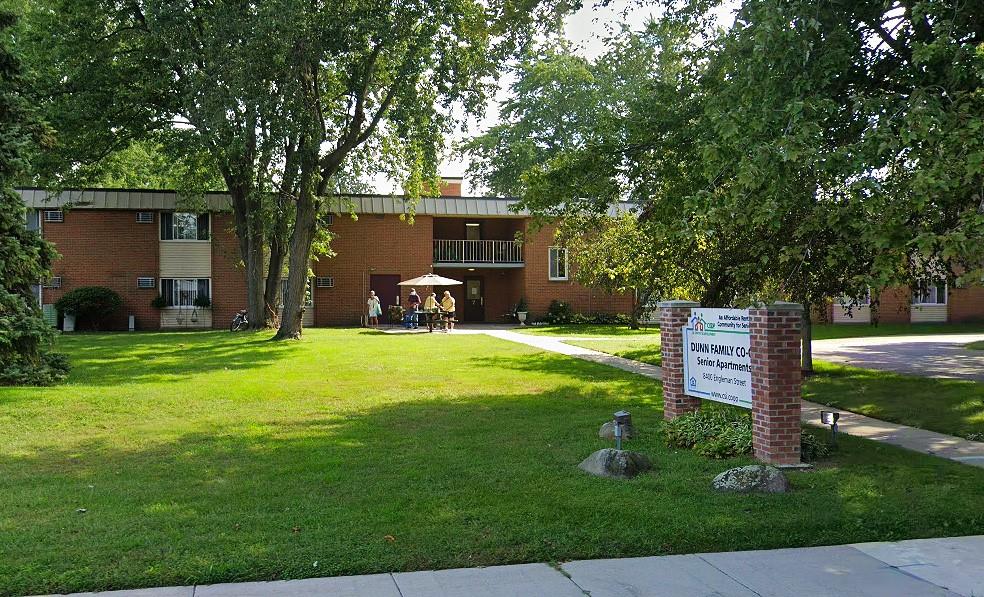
(586,30)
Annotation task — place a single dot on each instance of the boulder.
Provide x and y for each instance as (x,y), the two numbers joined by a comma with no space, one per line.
(607,431)
(615,464)
(755,478)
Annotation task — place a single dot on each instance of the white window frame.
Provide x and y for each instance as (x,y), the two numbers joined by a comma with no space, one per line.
(551,251)
(150,221)
(934,287)
(58,220)
(187,240)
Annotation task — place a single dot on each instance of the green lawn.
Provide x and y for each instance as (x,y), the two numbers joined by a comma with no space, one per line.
(854,330)
(976,345)
(587,330)
(212,457)
(637,348)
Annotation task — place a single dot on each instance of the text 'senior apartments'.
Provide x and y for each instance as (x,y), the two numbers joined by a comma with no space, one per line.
(141,244)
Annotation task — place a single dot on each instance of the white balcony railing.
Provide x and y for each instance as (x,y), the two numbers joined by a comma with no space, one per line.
(478,251)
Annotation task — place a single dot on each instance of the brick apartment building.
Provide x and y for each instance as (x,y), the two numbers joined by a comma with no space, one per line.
(141,244)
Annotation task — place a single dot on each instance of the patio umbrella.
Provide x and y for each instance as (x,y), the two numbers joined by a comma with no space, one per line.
(430,280)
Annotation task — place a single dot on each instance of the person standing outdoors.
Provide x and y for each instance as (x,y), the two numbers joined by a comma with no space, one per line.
(375,309)
(447,306)
(414,303)
(430,308)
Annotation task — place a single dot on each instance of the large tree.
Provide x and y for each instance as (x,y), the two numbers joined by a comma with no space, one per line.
(284,96)
(808,151)
(26,355)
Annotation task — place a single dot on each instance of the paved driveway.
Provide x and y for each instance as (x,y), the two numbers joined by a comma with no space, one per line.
(930,356)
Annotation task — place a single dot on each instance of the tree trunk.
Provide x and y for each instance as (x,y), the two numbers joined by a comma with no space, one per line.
(272,298)
(807,340)
(305,225)
(636,309)
(249,230)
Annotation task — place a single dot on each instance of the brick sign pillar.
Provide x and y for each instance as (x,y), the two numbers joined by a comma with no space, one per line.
(673,317)
(776,379)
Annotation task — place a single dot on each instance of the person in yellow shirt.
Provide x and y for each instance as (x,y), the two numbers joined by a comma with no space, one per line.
(447,306)
(430,310)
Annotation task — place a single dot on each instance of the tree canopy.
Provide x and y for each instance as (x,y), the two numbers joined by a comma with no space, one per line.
(26,355)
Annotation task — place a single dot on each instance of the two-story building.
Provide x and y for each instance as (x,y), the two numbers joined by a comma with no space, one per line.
(143,244)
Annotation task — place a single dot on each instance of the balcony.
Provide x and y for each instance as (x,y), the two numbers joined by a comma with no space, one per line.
(478,253)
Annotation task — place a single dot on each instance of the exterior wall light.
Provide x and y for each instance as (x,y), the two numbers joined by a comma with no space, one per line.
(830,418)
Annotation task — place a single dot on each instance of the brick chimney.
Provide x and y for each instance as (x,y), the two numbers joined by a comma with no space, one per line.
(451,186)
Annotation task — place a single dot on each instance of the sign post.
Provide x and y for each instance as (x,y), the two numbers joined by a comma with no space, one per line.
(746,358)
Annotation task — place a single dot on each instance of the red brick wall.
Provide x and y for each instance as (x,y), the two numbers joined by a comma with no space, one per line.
(966,304)
(107,248)
(540,290)
(228,274)
(371,245)
(894,305)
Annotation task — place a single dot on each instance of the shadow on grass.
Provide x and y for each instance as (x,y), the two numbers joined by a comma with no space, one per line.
(422,484)
(112,359)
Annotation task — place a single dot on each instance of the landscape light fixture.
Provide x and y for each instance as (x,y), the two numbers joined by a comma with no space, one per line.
(828,417)
(622,418)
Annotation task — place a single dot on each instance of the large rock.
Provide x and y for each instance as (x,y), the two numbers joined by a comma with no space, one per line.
(607,431)
(755,478)
(615,464)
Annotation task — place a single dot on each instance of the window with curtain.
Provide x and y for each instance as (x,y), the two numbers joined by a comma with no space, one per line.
(177,225)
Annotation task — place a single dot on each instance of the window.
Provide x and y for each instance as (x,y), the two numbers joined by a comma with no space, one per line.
(929,293)
(308,295)
(33,220)
(473,231)
(184,226)
(183,292)
(54,215)
(145,283)
(558,263)
(145,217)
(329,219)
(325,282)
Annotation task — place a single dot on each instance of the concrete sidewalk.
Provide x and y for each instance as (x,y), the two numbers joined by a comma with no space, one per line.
(917,568)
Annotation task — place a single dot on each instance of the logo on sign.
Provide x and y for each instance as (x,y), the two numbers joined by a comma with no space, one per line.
(693,382)
(698,324)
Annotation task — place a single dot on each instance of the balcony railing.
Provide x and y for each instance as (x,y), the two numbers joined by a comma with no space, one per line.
(478,251)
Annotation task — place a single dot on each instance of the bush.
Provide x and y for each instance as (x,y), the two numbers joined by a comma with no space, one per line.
(813,448)
(203,302)
(560,313)
(26,353)
(159,302)
(91,304)
(712,432)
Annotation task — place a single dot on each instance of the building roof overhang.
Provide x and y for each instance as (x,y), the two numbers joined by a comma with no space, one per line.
(136,199)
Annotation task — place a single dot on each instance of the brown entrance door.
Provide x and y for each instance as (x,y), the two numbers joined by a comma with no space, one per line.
(388,290)
(474,299)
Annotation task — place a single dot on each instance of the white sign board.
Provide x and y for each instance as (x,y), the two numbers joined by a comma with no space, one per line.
(716,363)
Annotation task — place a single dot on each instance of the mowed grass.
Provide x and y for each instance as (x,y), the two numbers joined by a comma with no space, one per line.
(976,345)
(951,406)
(588,329)
(211,457)
(637,348)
